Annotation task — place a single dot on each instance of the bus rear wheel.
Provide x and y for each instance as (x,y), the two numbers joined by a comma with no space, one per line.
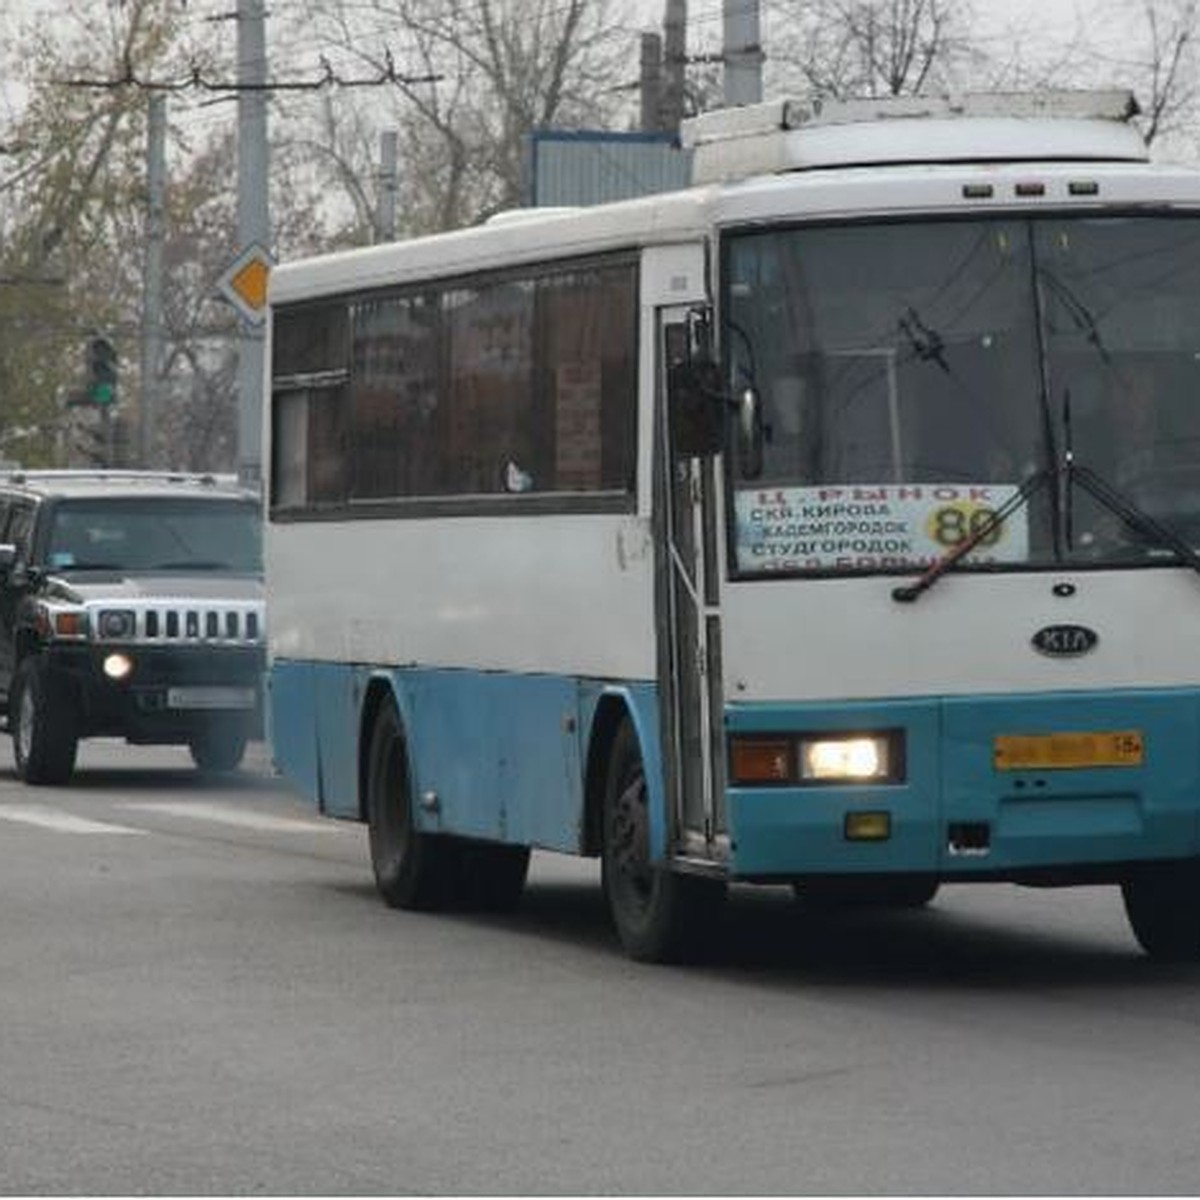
(413,870)
(660,915)
(1163,907)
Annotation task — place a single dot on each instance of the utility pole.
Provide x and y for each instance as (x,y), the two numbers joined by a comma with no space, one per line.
(385,220)
(152,279)
(253,224)
(742,52)
(651,83)
(674,63)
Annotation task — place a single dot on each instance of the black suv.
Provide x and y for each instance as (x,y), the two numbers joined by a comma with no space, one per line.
(131,605)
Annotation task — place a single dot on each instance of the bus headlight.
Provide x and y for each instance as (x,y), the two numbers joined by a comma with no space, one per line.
(118,666)
(852,759)
(817,758)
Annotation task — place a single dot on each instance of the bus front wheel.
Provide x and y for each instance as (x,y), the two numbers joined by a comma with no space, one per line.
(660,915)
(1163,907)
(413,870)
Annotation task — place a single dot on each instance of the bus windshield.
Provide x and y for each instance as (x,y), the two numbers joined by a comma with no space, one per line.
(912,376)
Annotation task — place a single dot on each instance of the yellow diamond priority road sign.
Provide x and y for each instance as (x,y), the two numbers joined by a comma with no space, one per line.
(244,283)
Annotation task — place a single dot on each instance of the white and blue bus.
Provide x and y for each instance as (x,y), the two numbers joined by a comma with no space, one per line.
(831,523)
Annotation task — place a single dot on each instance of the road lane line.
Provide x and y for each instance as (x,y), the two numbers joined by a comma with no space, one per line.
(60,822)
(229,815)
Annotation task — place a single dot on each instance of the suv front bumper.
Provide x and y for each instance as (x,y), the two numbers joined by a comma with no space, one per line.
(172,694)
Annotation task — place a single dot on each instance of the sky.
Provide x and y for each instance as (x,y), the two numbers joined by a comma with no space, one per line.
(1035,28)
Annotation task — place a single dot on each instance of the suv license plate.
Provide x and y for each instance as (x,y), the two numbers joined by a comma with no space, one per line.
(210,697)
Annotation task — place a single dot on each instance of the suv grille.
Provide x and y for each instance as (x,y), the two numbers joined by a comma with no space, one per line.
(222,623)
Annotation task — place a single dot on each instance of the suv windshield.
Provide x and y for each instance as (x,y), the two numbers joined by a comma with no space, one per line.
(914,375)
(149,534)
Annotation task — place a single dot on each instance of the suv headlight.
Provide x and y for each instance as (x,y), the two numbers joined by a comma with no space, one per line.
(60,622)
(116,624)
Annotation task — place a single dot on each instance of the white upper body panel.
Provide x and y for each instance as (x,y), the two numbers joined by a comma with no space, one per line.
(575,594)
(813,639)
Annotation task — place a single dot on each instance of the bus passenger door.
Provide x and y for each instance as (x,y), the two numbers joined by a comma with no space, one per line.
(689,618)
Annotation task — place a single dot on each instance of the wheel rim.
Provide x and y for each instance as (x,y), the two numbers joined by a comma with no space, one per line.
(26,715)
(629,840)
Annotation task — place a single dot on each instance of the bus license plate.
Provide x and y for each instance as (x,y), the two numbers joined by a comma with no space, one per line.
(210,697)
(1055,751)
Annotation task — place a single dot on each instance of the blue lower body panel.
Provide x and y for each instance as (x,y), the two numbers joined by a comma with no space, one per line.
(506,756)
(503,753)
(956,814)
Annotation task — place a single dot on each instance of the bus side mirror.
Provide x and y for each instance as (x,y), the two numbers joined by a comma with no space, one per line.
(8,558)
(696,401)
(749,434)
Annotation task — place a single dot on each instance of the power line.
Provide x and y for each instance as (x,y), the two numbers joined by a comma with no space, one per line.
(199,81)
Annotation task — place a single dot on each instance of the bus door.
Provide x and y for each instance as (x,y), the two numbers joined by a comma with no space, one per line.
(689,618)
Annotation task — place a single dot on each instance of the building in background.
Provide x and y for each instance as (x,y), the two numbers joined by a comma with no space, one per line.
(565,167)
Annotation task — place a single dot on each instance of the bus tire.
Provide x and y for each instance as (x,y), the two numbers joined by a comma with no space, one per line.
(1163,907)
(44,724)
(491,876)
(660,915)
(413,870)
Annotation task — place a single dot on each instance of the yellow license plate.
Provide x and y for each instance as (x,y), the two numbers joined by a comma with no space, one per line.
(1057,751)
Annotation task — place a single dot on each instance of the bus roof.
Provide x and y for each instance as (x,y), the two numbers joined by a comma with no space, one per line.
(792,135)
(979,153)
(525,235)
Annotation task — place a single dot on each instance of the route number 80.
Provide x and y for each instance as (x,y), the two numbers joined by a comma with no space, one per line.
(952,524)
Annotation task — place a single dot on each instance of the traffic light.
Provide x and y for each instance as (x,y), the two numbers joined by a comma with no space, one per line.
(101,387)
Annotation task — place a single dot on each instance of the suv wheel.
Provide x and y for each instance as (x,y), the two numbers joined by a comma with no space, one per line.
(218,750)
(43,723)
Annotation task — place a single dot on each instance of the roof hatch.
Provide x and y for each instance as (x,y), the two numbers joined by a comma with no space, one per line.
(791,135)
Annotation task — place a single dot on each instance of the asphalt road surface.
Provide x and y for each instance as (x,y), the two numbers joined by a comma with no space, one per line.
(200,993)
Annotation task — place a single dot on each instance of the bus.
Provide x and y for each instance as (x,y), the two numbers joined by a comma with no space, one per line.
(831,523)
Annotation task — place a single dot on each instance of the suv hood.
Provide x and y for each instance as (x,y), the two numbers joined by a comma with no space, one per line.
(175,585)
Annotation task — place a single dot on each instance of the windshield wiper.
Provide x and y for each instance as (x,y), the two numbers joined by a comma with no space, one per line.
(1110,497)
(909,592)
(1136,518)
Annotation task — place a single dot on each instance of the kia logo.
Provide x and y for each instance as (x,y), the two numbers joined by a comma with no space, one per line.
(1064,641)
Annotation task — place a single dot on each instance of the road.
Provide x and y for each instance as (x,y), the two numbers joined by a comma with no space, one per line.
(201,994)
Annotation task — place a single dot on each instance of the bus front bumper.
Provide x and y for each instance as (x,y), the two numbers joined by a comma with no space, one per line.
(1057,809)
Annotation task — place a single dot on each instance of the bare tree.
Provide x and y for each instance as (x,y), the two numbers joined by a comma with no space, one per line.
(64,193)
(72,210)
(870,47)
(1149,47)
(1158,60)
(470,78)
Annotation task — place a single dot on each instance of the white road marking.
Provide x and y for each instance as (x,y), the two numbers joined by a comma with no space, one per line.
(61,822)
(244,818)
